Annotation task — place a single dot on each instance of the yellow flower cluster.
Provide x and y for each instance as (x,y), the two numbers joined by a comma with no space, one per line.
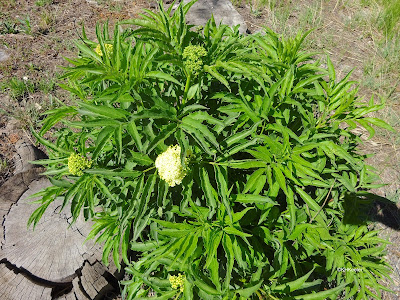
(169,166)
(77,163)
(178,281)
(193,58)
(109,49)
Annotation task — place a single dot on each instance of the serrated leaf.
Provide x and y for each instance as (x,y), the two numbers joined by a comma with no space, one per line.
(140,158)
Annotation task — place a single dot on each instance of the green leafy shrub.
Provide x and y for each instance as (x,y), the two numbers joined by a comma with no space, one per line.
(219,166)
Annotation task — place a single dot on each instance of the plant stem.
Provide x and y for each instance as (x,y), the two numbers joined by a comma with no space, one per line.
(326,199)
(151,168)
(177,296)
(186,88)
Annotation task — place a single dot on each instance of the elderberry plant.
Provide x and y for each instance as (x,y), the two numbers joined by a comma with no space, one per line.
(216,165)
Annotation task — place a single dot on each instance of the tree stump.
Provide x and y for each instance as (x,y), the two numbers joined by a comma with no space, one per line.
(26,153)
(16,286)
(53,261)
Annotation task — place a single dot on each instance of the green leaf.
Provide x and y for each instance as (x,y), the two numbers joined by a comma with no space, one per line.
(173,225)
(50,161)
(190,108)
(229,253)
(192,123)
(144,200)
(118,141)
(106,250)
(48,144)
(113,172)
(153,113)
(250,198)
(132,130)
(100,122)
(249,291)
(205,287)
(125,244)
(379,123)
(234,231)
(37,214)
(365,124)
(89,52)
(162,136)
(238,215)
(293,285)
(241,135)
(116,253)
(162,76)
(212,251)
(208,190)
(60,183)
(213,72)
(253,179)
(243,164)
(221,177)
(280,178)
(192,91)
(55,117)
(140,158)
(102,138)
(331,293)
(327,146)
(102,110)
(331,69)
(198,137)
(307,199)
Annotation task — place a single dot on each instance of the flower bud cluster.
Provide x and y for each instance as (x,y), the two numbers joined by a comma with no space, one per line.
(109,50)
(178,281)
(169,166)
(193,58)
(77,163)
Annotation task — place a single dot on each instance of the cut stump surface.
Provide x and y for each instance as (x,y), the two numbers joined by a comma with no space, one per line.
(53,261)
(52,251)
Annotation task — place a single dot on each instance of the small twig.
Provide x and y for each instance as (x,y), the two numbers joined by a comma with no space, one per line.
(326,199)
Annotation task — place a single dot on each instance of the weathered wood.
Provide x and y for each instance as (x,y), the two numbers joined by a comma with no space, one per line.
(12,190)
(25,153)
(52,259)
(70,296)
(79,293)
(17,287)
(52,251)
(93,282)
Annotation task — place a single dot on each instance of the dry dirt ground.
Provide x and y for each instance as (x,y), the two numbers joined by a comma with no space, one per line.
(344,29)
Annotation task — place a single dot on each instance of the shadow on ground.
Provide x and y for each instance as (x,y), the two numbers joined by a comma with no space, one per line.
(369,207)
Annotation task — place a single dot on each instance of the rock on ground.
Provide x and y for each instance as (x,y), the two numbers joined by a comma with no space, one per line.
(223,11)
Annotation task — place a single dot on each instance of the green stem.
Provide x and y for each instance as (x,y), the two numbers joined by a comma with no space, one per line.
(177,296)
(151,168)
(186,88)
